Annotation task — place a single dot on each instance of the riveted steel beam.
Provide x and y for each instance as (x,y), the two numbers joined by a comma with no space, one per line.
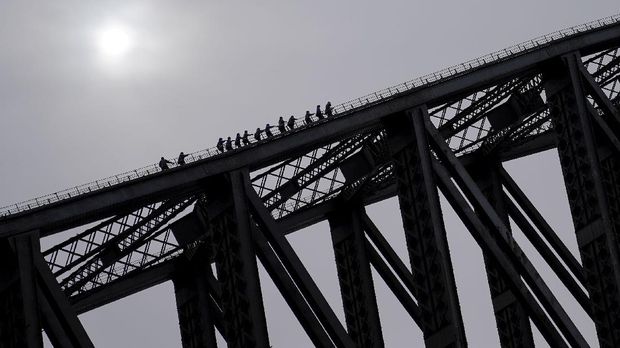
(237,272)
(513,324)
(592,183)
(356,284)
(516,260)
(425,234)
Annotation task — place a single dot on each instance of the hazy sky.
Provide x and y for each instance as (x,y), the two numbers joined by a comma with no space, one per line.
(181,74)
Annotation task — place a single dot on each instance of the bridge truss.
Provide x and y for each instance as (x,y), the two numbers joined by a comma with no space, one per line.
(204,225)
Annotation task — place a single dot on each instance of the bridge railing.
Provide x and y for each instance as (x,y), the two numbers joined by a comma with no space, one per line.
(340,109)
(475,63)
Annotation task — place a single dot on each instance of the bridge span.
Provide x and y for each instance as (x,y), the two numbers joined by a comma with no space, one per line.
(445,133)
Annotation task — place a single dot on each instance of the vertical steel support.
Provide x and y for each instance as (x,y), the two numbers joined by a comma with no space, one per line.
(241,300)
(20,324)
(356,284)
(424,231)
(510,257)
(513,324)
(299,274)
(31,299)
(593,188)
(192,293)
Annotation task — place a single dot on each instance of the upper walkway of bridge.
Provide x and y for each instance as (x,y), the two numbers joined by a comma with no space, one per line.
(338,110)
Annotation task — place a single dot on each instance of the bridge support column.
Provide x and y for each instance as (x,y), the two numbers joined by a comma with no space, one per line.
(593,186)
(513,324)
(425,234)
(237,273)
(31,299)
(192,293)
(20,324)
(355,278)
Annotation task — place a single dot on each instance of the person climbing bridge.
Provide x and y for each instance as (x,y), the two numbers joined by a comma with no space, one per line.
(163,164)
(181,159)
(318,112)
(245,139)
(238,141)
(328,109)
(291,122)
(220,145)
(281,125)
(268,130)
(229,144)
(307,117)
(257,134)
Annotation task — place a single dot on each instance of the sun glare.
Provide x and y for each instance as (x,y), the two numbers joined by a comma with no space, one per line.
(114,41)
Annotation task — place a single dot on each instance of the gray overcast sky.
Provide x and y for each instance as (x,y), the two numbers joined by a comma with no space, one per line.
(197,70)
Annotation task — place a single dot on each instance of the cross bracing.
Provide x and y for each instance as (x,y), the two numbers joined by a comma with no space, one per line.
(448,132)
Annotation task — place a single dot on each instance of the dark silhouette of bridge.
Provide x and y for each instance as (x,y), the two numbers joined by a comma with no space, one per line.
(447,133)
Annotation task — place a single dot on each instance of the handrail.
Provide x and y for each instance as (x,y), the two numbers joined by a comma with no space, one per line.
(340,109)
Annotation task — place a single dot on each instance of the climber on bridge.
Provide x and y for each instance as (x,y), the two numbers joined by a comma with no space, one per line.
(328,109)
(291,122)
(307,117)
(281,125)
(318,113)
(257,134)
(268,130)
(238,141)
(181,160)
(245,139)
(229,144)
(220,145)
(163,164)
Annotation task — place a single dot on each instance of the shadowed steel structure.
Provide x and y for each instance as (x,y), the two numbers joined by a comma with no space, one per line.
(205,224)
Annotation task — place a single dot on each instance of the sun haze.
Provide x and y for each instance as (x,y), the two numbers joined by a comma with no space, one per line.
(114,41)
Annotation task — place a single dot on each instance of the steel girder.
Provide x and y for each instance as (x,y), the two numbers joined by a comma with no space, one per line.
(513,324)
(32,299)
(319,334)
(501,246)
(241,299)
(275,236)
(590,166)
(194,303)
(429,256)
(356,284)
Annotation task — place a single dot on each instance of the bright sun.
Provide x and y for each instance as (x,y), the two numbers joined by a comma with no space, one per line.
(114,41)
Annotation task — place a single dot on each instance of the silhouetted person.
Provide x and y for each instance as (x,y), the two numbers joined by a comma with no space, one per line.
(268,130)
(281,125)
(163,163)
(181,160)
(328,109)
(318,112)
(257,134)
(291,122)
(228,144)
(245,139)
(220,145)
(238,140)
(307,117)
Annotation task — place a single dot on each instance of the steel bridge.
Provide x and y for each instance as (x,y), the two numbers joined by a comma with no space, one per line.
(203,225)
